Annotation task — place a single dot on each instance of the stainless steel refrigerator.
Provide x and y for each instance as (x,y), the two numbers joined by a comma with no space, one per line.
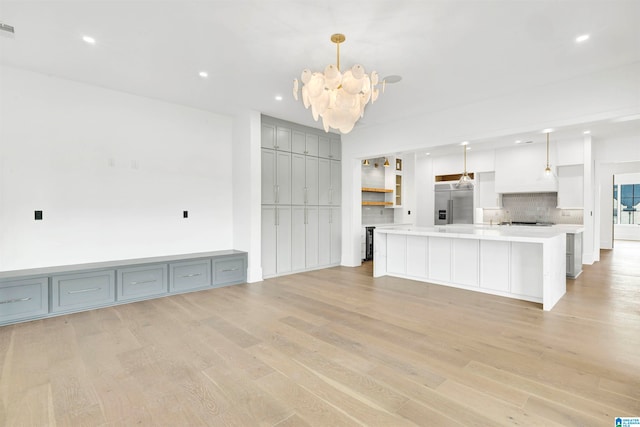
(453,206)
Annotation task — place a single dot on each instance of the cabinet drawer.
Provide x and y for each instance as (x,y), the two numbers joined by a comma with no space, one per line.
(82,290)
(21,299)
(137,282)
(229,270)
(189,275)
(570,245)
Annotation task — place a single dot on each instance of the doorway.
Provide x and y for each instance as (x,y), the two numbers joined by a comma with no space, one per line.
(626,207)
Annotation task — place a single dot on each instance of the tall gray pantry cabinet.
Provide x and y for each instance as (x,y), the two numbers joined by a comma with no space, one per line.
(301,196)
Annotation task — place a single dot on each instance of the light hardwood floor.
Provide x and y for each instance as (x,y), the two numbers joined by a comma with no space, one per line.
(336,347)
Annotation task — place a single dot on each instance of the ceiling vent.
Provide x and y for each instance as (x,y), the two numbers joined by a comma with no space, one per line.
(6,30)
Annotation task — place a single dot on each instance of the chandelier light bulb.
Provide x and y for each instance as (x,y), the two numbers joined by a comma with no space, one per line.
(339,98)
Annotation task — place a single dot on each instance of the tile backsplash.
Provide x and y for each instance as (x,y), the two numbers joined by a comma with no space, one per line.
(533,207)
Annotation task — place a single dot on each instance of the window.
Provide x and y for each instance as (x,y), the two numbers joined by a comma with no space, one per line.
(626,204)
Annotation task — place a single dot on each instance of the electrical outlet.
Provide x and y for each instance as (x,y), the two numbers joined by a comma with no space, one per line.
(185,214)
(38,215)
(408,212)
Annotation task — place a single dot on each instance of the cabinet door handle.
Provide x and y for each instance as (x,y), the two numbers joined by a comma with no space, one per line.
(80,291)
(231,269)
(277,217)
(142,281)
(305,216)
(11,301)
(330,195)
(277,194)
(193,275)
(331,217)
(306,195)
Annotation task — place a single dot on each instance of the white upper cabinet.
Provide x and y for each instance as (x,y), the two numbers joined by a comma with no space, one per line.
(275,137)
(486,189)
(268,136)
(311,144)
(521,170)
(276,177)
(571,186)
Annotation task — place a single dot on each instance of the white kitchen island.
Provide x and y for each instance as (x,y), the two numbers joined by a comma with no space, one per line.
(517,262)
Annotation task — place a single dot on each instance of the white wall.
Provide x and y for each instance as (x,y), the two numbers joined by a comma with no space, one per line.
(112,173)
(246,190)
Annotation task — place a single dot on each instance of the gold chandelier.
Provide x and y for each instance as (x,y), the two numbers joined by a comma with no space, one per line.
(339,98)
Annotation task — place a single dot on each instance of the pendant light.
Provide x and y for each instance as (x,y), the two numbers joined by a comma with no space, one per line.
(547,171)
(465,182)
(366,162)
(386,163)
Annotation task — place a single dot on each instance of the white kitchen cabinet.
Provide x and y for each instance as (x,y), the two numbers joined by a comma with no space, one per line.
(417,256)
(526,269)
(440,258)
(465,265)
(486,189)
(494,265)
(329,182)
(570,187)
(329,236)
(311,232)
(397,244)
(276,177)
(276,240)
(521,169)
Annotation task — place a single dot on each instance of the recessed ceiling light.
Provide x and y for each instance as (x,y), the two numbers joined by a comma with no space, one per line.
(89,40)
(465,143)
(468,148)
(427,154)
(278,97)
(582,38)
(203,74)
(518,142)
(586,132)
(547,130)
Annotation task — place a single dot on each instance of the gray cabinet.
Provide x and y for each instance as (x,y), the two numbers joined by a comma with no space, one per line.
(276,240)
(275,137)
(329,182)
(294,185)
(329,236)
(229,271)
(304,143)
(304,180)
(80,291)
(574,254)
(276,177)
(189,275)
(23,299)
(304,238)
(141,282)
(52,291)
(329,147)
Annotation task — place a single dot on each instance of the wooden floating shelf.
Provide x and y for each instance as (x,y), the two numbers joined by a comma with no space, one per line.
(377,203)
(376,190)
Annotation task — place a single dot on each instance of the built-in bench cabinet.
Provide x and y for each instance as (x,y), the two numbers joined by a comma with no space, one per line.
(44,292)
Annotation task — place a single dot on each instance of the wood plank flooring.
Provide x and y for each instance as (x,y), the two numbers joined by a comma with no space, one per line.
(336,347)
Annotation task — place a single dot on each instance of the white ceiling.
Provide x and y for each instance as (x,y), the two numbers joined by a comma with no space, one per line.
(449,53)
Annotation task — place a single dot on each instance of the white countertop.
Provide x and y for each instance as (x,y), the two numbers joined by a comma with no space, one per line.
(399,224)
(486,232)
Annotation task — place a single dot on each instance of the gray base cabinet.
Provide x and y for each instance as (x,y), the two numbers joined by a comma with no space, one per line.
(574,255)
(140,282)
(24,298)
(82,290)
(52,291)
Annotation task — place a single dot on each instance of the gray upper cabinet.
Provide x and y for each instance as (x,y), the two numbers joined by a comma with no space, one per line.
(275,137)
(304,143)
(276,177)
(329,148)
(268,136)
